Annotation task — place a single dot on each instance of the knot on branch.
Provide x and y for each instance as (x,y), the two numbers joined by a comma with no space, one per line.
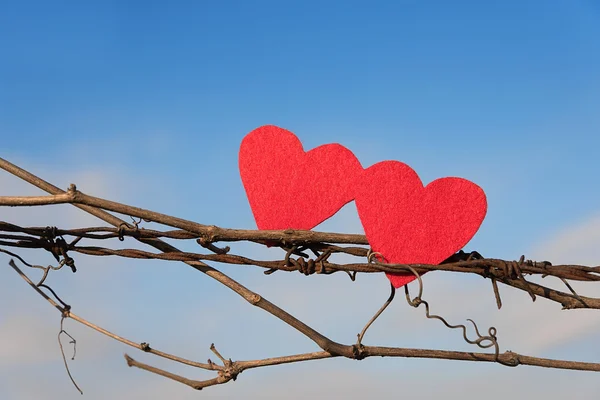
(124,228)
(58,247)
(66,311)
(145,347)
(358,351)
(304,264)
(512,359)
(513,269)
(50,233)
(308,266)
(231,371)
(210,233)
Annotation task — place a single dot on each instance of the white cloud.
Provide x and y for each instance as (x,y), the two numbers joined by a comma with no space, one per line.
(576,244)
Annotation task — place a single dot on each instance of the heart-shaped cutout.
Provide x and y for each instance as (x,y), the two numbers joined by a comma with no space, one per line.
(289,188)
(408,223)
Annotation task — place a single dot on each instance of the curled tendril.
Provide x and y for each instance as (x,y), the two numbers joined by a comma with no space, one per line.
(482,341)
(62,352)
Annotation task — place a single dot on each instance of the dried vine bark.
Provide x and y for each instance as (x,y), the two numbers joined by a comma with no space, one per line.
(296,244)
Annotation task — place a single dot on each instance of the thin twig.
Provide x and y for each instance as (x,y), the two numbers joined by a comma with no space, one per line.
(377,314)
(83,321)
(62,352)
(322,244)
(210,233)
(253,298)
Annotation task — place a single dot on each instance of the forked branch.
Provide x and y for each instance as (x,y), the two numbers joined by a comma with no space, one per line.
(296,245)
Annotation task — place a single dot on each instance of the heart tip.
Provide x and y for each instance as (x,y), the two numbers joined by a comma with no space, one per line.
(398,281)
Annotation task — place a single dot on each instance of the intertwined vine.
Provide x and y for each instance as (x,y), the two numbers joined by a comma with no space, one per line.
(308,252)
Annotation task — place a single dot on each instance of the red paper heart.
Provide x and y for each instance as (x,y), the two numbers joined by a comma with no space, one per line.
(289,188)
(410,224)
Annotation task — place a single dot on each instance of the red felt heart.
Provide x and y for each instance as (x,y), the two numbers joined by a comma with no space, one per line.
(408,223)
(289,188)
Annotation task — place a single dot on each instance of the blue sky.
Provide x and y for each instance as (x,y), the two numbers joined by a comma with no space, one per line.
(504,93)
(150,100)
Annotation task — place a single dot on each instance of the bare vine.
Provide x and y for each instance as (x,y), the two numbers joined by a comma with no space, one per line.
(296,245)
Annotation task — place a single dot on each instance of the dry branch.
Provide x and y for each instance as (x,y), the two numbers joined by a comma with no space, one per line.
(295,244)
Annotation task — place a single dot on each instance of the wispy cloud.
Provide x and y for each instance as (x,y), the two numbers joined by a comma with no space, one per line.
(574,244)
